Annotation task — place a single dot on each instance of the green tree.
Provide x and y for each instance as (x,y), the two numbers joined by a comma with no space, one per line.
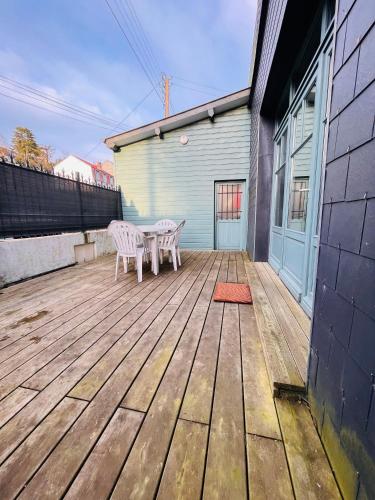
(25,147)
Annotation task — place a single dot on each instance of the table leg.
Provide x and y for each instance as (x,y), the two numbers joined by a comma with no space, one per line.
(155,256)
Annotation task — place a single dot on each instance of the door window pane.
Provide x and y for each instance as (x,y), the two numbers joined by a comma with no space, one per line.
(298,126)
(279,202)
(229,198)
(308,117)
(299,187)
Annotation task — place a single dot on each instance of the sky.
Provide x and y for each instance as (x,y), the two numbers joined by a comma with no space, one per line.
(74,50)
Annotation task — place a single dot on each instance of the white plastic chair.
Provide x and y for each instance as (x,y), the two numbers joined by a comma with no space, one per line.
(129,242)
(170,242)
(166,224)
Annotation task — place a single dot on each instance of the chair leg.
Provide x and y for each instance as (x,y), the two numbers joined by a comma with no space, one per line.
(125,261)
(174,258)
(117,261)
(179,256)
(139,259)
(161,256)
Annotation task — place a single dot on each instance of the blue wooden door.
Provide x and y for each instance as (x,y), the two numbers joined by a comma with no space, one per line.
(294,234)
(229,215)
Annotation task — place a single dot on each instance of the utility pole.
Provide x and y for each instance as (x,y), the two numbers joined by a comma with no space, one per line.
(166,83)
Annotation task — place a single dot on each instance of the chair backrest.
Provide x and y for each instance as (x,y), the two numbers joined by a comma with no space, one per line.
(179,231)
(172,238)
(166,224)
(126,236)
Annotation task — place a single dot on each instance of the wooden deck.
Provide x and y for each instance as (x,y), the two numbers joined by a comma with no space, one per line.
(152,390)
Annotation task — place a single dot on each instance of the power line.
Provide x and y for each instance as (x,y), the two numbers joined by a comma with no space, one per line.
(142,38)
(196,90)
(133,50)
(69,112)
(199,84)
(144,34)
(139,45)
(125,118)
(36,95)
(55,112)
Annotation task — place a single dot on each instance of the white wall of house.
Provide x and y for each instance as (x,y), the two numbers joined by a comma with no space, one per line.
(71,166)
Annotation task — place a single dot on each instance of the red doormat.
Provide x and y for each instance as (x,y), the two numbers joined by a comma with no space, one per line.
(233,292)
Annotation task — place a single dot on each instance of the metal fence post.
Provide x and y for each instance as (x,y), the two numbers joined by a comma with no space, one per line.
(79,189)
(119,204)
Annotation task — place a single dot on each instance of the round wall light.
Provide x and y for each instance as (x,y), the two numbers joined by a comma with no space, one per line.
(184,139)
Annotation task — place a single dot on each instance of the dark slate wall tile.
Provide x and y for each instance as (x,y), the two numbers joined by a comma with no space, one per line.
(359,21)
(371,423)
(356,122)
(326,216)
(329,382)
(336,313)
(368,239)
(335,183)
(321,338)
(328,265)
(344,84)
(346,225)
(343,9)
(357,393)
(361,173)
(332,137)
(339,48)
(362,341)
(366,64)
(356,278)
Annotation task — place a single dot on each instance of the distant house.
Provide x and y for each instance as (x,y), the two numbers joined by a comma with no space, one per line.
(72,166)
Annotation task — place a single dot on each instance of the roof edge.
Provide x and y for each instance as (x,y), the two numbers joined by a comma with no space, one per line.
(187,117)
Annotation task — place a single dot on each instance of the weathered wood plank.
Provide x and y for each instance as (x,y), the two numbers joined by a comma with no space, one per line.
(56,473)
(293,333)
(309,468)
(141,473)
(197,402)
(30,416)
(140,395)
(268,470)
(281,367)
(15,472)
(293,305)
(10,405)
(121,323)
(81,307)
(154,316)
(226,470)
(184,468)
(100,471)
(260,411)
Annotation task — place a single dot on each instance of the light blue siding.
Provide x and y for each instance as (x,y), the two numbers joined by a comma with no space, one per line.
(161,178)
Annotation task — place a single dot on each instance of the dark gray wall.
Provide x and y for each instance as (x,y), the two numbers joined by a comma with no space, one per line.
(259,180)
(282,26)
(342,358)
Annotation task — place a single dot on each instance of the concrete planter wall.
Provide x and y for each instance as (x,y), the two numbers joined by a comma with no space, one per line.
(24,258)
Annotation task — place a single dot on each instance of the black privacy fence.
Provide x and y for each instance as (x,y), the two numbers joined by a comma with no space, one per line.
(37,203)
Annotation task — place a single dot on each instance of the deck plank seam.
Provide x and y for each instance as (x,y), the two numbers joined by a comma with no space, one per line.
(100,434)
(85,333)
(180,336)
(156,390)
(226,265)
(187,382)
(303,376)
